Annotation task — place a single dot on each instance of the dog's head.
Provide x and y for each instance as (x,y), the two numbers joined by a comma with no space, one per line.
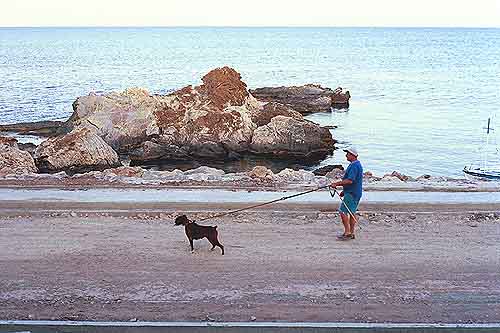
(181,220)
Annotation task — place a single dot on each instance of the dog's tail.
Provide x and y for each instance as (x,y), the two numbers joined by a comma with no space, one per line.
(214,226)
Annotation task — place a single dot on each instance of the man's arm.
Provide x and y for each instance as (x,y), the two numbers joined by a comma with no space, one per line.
(342,182)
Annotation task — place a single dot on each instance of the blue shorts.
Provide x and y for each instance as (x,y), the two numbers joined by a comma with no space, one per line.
(350,203)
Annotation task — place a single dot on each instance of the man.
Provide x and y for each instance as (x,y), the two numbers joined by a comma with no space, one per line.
(352,183)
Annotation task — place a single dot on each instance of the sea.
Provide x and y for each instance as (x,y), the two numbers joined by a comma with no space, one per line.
(420,97)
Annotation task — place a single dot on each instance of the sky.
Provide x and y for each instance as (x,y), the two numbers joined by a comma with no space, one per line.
(334,13)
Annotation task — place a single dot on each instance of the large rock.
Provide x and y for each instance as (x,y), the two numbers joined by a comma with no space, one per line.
(217,119)
(13,160)
(304,99)
(79,151)
(124,120)
(272,109)
(292,138)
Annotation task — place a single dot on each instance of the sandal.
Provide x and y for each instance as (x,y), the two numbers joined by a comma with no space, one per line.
(344,237)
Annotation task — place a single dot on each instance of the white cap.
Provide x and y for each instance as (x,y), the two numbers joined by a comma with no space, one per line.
(351,150)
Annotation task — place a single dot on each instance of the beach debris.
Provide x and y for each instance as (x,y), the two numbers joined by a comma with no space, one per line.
(261,172)
(125,171)
(397,175)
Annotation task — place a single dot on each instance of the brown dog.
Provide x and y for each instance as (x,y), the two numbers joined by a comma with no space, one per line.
(196,231)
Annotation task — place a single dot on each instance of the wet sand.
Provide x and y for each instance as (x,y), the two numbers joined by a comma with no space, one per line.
(126,261)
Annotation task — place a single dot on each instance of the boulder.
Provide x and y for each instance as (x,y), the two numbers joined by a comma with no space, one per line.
(261,172)
(304,99)
(124,120)
(79,151)
(13,160)
(270,110)
(286,137)
(340,98)
(290,175)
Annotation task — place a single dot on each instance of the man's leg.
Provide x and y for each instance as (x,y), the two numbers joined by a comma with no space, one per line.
(346,222)
(352,224)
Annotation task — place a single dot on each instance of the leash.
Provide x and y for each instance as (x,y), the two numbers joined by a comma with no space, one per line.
(263,204)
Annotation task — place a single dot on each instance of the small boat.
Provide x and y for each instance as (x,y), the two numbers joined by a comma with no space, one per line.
(484,171)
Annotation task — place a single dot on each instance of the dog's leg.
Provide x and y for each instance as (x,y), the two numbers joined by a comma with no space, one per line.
(213,242)
(221,247)
(191,243)
(216,243)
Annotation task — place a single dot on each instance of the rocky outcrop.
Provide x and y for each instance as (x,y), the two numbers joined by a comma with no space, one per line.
(340,98)
(287,137)
(216,120)
(81,150)
(13,160)
(40,128)
(304,99)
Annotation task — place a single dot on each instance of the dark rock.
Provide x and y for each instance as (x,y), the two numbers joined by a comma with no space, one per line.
(40,128)
(340,98)
(304,99)
(29,147)
(326,169)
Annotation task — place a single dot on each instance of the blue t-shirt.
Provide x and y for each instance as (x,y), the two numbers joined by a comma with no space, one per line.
(354,172)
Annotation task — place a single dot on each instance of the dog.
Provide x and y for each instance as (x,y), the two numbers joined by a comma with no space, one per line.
(196,231)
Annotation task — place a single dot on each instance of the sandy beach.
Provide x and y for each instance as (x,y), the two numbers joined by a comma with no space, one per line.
(417,262)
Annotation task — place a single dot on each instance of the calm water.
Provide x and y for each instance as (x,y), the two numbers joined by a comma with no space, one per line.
(420,97)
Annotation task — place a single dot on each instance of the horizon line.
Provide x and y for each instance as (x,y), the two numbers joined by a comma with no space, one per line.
(251,26)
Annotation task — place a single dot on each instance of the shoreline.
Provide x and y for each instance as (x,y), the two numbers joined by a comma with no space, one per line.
(258,179)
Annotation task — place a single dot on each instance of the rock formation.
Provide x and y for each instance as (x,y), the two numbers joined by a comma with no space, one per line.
(40,128)
(216,120)
(13,160)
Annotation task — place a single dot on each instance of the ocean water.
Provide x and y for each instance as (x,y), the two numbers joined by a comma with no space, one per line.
(420,96)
